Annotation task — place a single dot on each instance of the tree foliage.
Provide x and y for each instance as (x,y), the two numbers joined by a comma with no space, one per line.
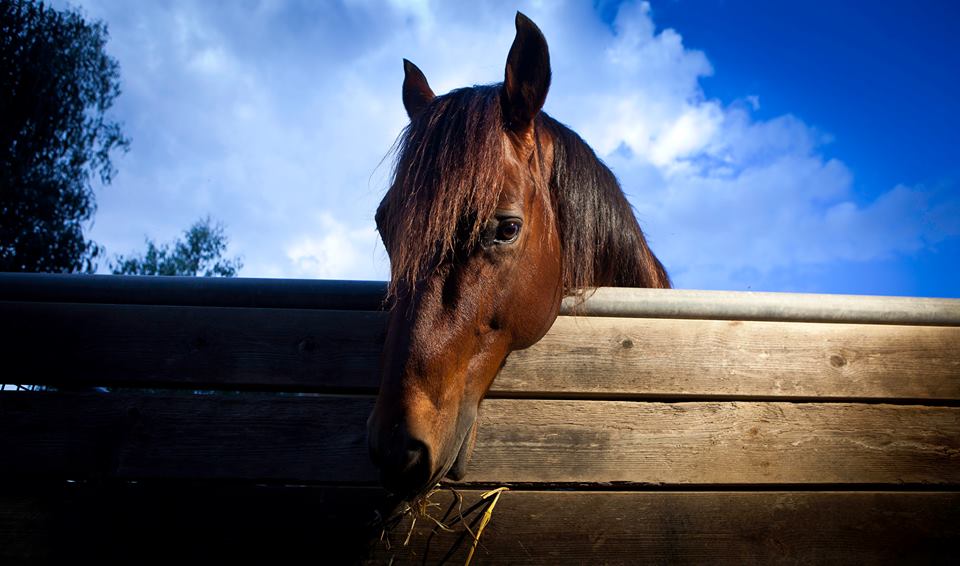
(56,85)
(198,253)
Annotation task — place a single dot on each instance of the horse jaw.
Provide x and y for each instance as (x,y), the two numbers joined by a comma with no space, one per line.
(459,469)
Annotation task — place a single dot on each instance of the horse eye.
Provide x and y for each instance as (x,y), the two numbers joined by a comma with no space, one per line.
(507,231)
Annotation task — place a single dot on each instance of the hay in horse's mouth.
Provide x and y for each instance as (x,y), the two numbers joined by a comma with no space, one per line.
(420,508)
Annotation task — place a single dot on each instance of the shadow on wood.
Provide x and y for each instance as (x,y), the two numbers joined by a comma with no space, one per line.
(171,523)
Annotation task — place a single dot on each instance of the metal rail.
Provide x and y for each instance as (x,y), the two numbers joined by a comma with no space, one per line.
(368,295)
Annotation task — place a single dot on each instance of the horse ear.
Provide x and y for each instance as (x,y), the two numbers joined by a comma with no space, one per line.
(527,77)
(416,92)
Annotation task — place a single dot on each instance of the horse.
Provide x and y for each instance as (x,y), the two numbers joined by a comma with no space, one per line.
(494,214)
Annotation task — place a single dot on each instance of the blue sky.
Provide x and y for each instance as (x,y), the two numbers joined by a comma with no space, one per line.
(765,146)
(877,77)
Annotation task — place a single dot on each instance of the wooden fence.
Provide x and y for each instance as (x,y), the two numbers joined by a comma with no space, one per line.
(200,420)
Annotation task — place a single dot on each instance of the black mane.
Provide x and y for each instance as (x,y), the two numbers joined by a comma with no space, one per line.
(602,242)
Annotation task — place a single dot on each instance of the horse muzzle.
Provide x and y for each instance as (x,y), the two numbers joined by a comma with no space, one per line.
(404,462)
(409,463)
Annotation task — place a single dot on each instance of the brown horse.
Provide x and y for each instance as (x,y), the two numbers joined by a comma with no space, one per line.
(495,213)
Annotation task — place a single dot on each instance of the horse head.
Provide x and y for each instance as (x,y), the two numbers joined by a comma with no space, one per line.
(477,226)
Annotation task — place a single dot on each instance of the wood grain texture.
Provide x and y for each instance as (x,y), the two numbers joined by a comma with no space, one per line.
(89,344)
(541,527)
(174,523)
(323,439)
(630,356)
(716,443)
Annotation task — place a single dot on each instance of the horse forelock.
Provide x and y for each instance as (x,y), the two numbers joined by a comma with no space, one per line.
(448,177)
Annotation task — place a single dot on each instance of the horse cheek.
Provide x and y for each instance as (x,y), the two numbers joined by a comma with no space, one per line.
(539,306)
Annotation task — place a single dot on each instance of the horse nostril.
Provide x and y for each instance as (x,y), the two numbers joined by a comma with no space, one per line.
(414,455)
(405,466)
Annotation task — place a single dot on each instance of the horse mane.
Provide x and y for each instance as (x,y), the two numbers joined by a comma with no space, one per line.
(602,242)
(448,177)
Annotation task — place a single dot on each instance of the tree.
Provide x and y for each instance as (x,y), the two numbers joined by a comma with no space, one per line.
(56,85)
(199,253)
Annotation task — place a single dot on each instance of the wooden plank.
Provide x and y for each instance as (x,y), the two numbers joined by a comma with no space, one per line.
(85,344)
(245,292)
(539,527)
(163,523)
(717,443)
(157,346)
(323,439)
(648,357)
(176,523)
(130,436)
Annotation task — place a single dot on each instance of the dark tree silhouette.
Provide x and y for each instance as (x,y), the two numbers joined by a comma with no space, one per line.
(198,253)
(56,85)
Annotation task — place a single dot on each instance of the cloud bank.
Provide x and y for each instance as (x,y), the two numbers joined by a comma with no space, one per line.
(275,117)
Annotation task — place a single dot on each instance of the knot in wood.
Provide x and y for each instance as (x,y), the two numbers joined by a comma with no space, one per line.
(837,361)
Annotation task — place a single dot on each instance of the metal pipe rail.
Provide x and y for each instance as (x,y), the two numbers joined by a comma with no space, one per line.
(369,295)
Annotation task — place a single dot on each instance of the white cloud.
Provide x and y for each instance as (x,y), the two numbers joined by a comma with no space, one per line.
(275,119)
(338,251)
(718,191)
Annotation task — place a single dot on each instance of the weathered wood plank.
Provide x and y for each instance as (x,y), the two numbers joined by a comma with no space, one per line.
(717,443)
(88,344)
(131,436)
(690,528)
(323,439)
(177,523)
(244,292)
(163,523)
(645,357)
(157,346)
